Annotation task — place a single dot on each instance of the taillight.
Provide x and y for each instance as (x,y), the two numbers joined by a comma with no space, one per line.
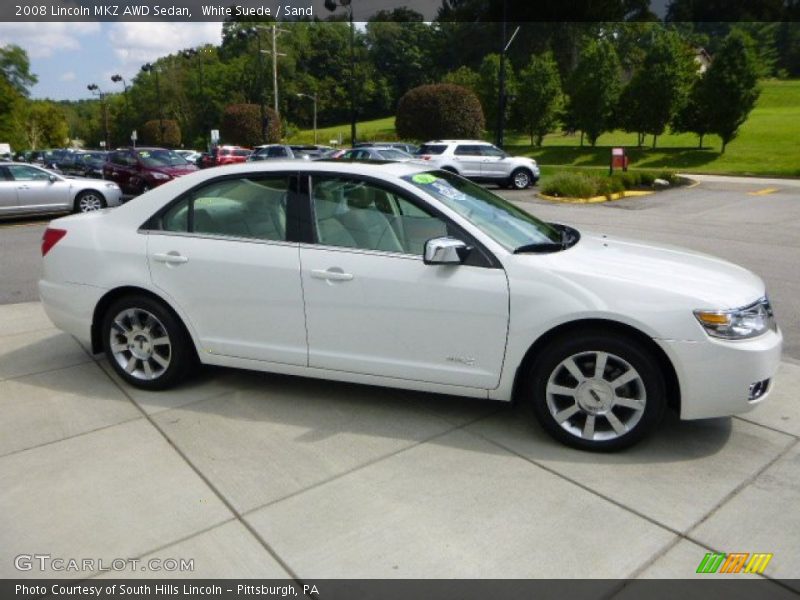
(50,238)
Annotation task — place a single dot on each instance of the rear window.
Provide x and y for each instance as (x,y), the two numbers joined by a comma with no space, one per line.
(242,153)
(432,148)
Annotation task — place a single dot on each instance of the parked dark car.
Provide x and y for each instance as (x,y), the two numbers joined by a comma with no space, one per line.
(83,164)
(137,170)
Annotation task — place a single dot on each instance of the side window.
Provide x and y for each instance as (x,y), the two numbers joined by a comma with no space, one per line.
(465,150)
(243,208)
(356,214)
(22,173)
(492,151)
(276,152)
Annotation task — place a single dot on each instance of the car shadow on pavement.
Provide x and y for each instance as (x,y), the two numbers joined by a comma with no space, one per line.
(236,406)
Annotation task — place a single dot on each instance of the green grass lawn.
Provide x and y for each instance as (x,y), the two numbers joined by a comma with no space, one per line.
(768,143)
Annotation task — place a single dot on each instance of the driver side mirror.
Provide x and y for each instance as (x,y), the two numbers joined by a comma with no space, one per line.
(445,251)
(52,178)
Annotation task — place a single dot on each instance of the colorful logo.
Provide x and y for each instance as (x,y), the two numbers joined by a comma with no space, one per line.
(735,562)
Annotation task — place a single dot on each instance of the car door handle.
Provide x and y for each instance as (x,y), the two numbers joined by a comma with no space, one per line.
(170,258)
(331,275)
(23,187)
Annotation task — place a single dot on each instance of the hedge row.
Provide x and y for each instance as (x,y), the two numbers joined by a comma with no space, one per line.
(588,185)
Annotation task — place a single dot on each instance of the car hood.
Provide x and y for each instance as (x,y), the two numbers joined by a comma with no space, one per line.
(709,281)
(178,170)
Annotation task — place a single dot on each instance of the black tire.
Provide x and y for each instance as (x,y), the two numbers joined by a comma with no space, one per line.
(592,396)
(180,355)
(521,179)
(86,198)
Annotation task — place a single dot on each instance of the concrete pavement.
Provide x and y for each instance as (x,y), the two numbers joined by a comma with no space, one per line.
(259,475)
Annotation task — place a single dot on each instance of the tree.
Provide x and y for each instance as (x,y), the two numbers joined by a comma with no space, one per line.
(540,97)
(489,84)
(441,110)
(241,124)
(659,88)
(694,116)
(594,89)
(43,124)
(730,86)
(399,48)
(15,68)
(151,133)
(465,77)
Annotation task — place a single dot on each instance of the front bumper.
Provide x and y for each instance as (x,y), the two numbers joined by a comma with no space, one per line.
(715,376)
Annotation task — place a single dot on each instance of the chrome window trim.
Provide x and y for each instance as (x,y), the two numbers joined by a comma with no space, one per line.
(216,236)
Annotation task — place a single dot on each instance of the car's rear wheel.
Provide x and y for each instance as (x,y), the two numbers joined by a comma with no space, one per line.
(597,391)
(146,343)
(521,179)
(89,201)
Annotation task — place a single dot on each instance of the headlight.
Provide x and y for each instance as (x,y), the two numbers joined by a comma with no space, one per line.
(160,176)
(740,323)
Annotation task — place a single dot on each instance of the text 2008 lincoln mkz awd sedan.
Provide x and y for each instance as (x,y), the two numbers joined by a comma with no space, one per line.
(393,275)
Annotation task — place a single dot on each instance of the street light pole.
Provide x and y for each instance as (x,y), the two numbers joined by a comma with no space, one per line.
(120,79)
(151,68)
(314,100)
(95,89)
(189,54)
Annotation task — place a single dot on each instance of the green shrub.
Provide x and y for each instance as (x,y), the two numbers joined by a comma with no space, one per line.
(151,133)
(241,124)
(646,178)
(570,185)
(669,176)
(439,111)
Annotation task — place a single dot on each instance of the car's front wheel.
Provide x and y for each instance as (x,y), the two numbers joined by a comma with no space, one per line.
(146,343)
(89,201)
(521,179)
(597,391)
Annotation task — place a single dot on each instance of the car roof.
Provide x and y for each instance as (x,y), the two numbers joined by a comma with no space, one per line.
(374,168)
(472,142)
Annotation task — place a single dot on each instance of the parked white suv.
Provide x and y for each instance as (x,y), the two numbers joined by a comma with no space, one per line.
(481,161)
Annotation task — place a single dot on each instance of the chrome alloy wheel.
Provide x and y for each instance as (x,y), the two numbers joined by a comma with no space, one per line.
(521,180)
(90,202)
(596,396)
(140,344)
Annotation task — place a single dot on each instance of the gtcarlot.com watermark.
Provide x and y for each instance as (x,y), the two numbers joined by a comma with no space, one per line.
(47,562)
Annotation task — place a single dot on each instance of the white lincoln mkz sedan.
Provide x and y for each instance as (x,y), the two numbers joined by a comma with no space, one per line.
(393,275)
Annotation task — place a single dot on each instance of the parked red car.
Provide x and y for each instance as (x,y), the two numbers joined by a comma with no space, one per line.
(225,155)
(137,170)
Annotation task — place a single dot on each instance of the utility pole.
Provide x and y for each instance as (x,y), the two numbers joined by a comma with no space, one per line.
(254,31)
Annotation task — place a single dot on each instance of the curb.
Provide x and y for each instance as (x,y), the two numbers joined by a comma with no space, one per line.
(596,199)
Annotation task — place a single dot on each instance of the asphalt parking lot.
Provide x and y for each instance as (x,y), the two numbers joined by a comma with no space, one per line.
(258,475)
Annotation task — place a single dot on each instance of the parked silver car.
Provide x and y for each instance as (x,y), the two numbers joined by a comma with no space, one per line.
(480,161)
(28,189)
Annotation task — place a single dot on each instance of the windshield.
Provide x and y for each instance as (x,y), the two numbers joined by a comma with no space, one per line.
(506,224)
(161,158)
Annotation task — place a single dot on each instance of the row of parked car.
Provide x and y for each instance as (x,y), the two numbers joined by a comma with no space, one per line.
(56,180)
